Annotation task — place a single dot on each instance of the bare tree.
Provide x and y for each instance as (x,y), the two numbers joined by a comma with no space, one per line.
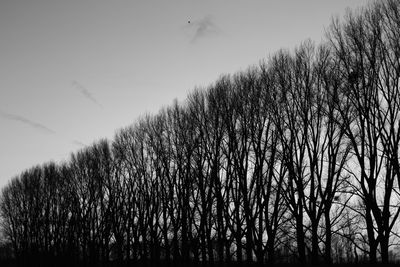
(363,49)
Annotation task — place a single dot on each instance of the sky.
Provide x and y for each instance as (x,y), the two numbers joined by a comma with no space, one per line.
(75,71)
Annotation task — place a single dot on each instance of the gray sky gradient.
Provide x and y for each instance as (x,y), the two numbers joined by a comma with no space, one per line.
(131,58)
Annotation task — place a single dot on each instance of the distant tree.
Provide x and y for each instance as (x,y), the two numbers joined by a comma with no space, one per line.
(292,136)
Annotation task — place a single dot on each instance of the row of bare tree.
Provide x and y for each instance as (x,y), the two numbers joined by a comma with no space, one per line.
(296,159)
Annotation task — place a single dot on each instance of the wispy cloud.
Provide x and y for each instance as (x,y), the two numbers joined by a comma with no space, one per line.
(85,92)
(203,28)
(26,121)
(78,143)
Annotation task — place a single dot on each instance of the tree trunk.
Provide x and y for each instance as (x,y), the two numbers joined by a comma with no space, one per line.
(301,248)
(270,250)
(371,236)
(385,249)
(314,244)
(328,238)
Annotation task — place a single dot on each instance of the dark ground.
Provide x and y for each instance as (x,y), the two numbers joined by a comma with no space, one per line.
(14,263)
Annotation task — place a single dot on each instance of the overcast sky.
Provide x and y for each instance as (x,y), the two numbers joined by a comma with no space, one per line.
(75,71)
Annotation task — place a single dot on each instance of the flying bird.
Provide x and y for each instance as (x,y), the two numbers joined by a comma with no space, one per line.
(200,28)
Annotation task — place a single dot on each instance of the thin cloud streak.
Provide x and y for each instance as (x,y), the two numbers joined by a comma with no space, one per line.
(203,28)
(26,121)
(78,143)
(85,92)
